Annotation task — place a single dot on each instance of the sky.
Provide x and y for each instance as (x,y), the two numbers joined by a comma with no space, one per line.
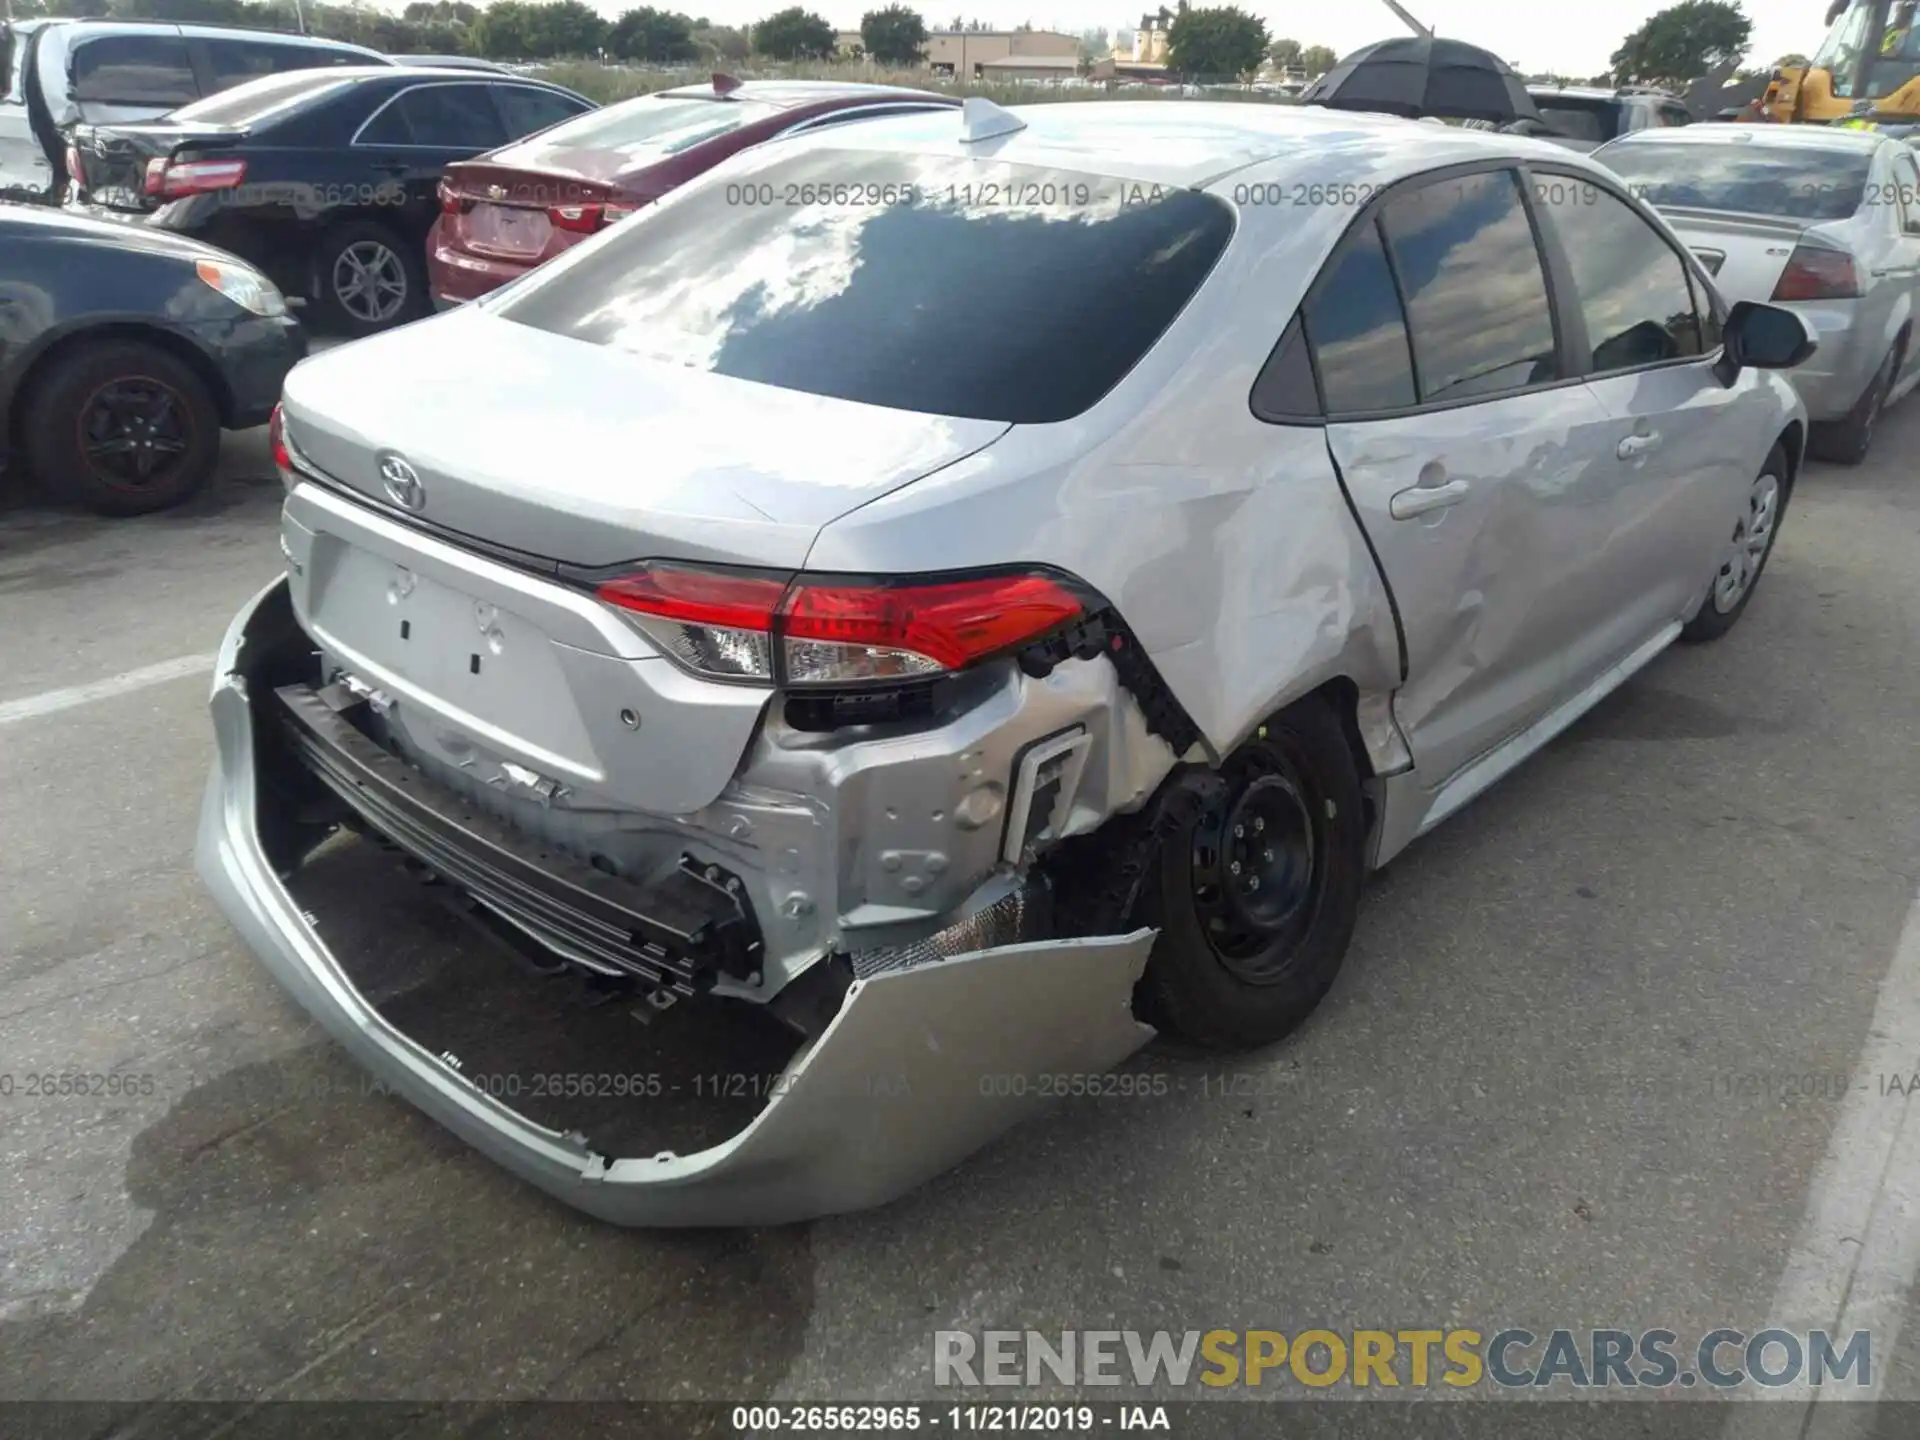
(1566,37)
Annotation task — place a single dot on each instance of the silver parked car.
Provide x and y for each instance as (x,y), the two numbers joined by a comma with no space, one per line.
(976,589)
(1823,221)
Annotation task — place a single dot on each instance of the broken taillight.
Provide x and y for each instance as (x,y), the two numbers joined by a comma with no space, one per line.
(579,219)
(826,630)
(1813,272)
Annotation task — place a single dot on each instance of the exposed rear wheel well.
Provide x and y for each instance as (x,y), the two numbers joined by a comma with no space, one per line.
(1794,441)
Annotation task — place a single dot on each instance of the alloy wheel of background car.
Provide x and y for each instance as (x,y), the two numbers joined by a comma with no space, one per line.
(1751,544)
(368,279)
(370,282)
(123,428)
(1246,953)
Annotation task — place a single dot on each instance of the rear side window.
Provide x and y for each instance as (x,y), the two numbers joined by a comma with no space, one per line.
(133,70)
(1476,294)
(1633,288)
(450,117)
(252,102)
(919,282)
(234,62)
(528,109)
(1744,177)
(1357,330)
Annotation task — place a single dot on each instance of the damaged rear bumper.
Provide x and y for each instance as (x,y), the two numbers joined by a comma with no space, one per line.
(920,1067)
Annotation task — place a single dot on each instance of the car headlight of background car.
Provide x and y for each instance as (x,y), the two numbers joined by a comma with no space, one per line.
(247,288)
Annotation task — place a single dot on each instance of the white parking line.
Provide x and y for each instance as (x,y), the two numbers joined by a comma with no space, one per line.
(46,703)
(1859,1244)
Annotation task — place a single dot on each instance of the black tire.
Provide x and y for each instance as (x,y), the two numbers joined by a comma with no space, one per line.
(102,411)
(1222,976)
(1725,603)
(1846,441)
(372,245)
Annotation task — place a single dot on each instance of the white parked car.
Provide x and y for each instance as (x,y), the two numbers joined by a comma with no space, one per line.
(1822,221)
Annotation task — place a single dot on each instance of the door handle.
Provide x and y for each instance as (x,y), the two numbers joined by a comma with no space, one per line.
(1634,446)
(1422,498)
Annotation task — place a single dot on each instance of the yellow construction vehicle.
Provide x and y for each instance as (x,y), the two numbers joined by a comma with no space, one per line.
(1865,73)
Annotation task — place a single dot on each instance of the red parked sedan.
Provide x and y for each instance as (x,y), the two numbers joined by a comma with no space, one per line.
(505,212)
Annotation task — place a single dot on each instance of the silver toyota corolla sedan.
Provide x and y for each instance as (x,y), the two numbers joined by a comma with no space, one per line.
(974,590)
(1822,221)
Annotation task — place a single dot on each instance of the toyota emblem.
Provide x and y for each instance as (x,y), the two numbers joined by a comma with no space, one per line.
(402,483)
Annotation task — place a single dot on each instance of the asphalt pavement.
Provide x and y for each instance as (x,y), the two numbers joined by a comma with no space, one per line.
(1570,1075)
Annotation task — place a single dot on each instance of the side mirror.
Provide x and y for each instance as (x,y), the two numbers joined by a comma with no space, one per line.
(1765,337)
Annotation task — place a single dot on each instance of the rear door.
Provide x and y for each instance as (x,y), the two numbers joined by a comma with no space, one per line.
(1673,460)
(1469,456)
(420,131)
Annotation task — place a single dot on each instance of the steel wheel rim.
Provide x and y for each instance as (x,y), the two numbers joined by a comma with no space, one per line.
(1255,871)
(1752,539)
(135,431)
(369,281)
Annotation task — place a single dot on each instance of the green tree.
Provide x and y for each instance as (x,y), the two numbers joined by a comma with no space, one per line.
(1223,40)
(1682,43)
(894,36)
(565,27)
(1316,60)
(503,31)
(1285,54)
(660,37)
(795,34)
(1095,43)
(723,42)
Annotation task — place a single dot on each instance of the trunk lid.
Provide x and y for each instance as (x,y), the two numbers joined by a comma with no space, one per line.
(1744,253)
(516,213)
(588,455)
(113,159)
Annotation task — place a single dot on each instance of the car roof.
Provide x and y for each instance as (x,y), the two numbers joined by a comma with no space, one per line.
(1192,143)
(788,93)
(1770,137)
(1578,92)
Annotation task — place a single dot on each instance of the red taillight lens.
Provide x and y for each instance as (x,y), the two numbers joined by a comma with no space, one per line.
(717,624)
(1815,273)
(449,201)
(74,171)
(820,631)
(580,219)
(833,634)
(170,180)
(277,443)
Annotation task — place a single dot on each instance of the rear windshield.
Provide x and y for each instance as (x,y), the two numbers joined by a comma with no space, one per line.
(257,101)
(925,283)
(655,125)
(1595,120)
(1746,179)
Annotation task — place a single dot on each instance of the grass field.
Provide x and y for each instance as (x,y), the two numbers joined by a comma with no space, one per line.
(607,83)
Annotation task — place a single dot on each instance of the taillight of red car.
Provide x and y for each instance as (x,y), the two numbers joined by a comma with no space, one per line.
(174,179)
(587,219)
(819,630)
(1814,272)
